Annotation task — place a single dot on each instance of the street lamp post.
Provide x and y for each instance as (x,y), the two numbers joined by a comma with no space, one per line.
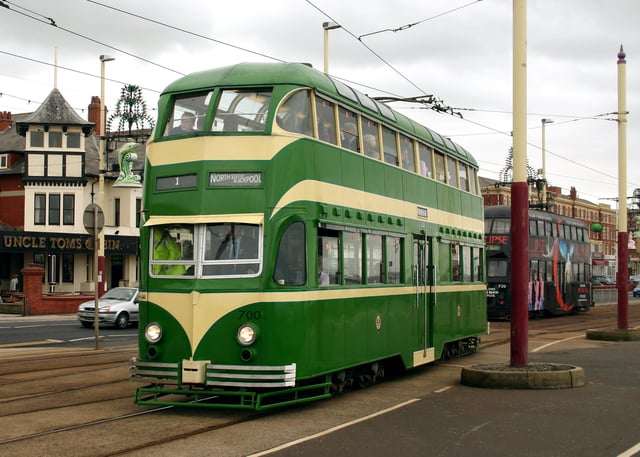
(544,158)
(326,26)
(100,268)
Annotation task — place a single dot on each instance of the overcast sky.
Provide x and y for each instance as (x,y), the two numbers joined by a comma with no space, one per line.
(457,50)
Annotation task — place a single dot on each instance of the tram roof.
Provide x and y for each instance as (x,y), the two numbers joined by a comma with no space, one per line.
(260,74)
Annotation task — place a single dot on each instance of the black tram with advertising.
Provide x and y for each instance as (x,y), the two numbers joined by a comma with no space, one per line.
(559,264)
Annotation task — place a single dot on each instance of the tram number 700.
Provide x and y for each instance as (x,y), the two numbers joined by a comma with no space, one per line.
(251,315)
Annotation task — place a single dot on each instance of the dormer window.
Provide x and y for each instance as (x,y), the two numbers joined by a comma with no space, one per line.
(52,138)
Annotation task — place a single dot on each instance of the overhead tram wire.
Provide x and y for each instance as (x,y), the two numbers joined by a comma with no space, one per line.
(448,110)
(406,26)
(52,22)
(70,69)
(436,107)
(188,32)
(439,107)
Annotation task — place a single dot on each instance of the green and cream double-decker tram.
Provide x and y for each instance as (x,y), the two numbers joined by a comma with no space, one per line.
(299,237)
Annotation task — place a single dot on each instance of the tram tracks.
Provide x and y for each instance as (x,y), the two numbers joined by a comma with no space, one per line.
(87,408)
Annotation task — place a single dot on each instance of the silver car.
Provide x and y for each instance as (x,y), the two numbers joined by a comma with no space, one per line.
(118,306)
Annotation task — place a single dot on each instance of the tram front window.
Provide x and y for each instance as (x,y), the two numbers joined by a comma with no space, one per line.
(242,110)
(231,249)
(172,250)
(188,114)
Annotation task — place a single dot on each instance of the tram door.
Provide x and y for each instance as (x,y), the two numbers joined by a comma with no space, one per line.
(422,278)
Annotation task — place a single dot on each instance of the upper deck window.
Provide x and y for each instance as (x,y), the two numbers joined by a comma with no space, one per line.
(326,121)
(385,110)
(242,110)
(294,114)
(345,90)
(188,114)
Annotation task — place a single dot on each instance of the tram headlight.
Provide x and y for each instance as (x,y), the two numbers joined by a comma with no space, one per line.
(153,332)
(246,334)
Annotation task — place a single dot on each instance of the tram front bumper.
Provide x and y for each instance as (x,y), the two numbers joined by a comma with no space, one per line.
(196,372)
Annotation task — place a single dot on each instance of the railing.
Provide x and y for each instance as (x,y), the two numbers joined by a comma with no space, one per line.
(605,294)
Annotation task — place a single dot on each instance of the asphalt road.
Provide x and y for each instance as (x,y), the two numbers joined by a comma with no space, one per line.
(61,331)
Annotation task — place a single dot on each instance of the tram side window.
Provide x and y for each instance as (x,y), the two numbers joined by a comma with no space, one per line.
(390,149)
(290,268)
(542,270)
(242,110)
(370,138)
(473,181)
(406,152)
(349,130)
(466,264)
(393,258)
(328,257)
(478,255)
(188,114)
(439,167)
(452,175)
(456,274)
(294,115)
(464,179)
(532,227)
(352,257)
(375,273)
(326,121)
(426,168)
(172,250)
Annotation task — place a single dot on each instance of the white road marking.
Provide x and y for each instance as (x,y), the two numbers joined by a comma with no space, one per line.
(333,429)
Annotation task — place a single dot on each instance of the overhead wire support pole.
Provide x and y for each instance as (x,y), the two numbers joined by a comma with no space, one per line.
(623,227)
(519,193)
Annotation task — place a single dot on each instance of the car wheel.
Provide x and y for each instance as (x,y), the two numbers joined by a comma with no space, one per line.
(122,321)
(86,324)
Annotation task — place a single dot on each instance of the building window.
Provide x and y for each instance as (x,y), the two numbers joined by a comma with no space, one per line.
(54,209)
(138,211)
(67,267)
(68,208)
(55,139)
(37,139)
(116,212)
(73,140)
(39,209)
(4,163)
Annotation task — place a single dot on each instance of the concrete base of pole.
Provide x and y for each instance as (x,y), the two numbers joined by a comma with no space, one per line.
(532,376)
(614,334)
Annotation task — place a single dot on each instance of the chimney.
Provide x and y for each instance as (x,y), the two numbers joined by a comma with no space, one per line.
(94,114)
(5,120)
(573,193)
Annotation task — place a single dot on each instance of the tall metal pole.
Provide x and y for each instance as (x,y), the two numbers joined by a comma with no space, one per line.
(96,308)
(519,192)
(544,164)
(100,284)
(623,228)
